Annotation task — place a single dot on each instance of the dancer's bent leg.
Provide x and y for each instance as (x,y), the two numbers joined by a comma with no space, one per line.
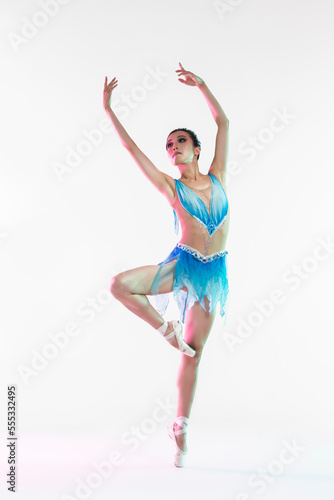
(198,324)
(131,287)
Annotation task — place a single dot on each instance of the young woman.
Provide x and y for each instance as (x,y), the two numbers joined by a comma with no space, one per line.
(196,269)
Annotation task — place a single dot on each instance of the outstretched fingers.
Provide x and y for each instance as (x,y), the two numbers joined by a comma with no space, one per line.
(111,85)
(107,91)
(181,72)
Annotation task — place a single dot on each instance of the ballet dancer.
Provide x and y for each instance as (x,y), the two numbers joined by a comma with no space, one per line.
(195,271)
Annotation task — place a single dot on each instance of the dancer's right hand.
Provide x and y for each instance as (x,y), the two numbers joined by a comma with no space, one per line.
(108,88)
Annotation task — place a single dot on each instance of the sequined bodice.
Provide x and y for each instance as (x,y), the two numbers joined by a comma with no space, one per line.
(207,206)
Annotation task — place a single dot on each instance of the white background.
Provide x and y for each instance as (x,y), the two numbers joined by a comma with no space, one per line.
(67,229)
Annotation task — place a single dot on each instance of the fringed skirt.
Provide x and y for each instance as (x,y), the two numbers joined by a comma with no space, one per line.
(202,276)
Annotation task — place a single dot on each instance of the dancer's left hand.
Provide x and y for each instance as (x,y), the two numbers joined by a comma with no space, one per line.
(190,78)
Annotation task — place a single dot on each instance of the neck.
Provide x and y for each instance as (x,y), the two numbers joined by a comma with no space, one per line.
(190,171)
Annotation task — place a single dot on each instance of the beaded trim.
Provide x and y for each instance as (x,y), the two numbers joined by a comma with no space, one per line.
(195,253)
(211,230)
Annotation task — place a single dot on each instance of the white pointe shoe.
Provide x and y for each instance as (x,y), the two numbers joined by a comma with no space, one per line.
(180,455)
(178,333)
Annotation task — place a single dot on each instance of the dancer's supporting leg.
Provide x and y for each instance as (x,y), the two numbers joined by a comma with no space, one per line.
(198,324)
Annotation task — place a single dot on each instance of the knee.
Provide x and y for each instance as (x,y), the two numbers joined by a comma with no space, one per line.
(117,285)
(195,360)
(198,355)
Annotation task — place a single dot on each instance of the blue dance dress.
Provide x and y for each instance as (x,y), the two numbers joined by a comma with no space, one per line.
(202,275)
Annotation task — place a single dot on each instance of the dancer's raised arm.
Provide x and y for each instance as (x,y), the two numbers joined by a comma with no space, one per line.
(219,163)
(159,179)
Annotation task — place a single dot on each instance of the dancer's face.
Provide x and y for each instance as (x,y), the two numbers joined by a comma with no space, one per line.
(180,148)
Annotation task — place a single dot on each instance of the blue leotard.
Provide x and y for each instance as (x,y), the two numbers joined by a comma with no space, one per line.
(196,276)
(210,214)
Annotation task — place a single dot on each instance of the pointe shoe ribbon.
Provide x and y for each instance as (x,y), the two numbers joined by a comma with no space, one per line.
(180,455)
(178,333)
